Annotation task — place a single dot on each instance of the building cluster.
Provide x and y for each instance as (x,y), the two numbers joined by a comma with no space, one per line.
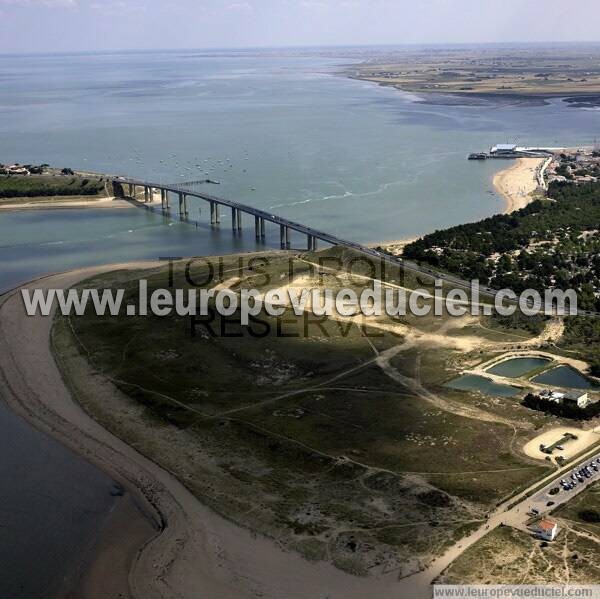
(24,169)
(14,169)
(574,399)
(579,166)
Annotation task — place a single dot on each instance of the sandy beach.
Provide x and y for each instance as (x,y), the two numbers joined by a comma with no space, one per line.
(517,182)
(58,204)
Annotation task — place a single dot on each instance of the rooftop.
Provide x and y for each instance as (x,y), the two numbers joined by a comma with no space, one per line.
(546,524)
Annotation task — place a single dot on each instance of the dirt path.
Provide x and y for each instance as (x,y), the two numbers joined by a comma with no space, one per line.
(198,553)
(384,362)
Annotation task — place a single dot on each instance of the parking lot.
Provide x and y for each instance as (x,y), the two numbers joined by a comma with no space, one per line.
(562,489)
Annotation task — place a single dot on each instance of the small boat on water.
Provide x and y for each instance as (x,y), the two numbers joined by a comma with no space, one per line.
(477,156)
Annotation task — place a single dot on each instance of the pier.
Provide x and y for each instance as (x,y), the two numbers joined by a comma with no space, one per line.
(512,151)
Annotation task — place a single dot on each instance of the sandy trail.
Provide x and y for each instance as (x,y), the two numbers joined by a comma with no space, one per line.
(517,182)
(198,553)
(384,361)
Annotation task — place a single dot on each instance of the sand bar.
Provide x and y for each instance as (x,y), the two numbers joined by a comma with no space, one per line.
(64,204)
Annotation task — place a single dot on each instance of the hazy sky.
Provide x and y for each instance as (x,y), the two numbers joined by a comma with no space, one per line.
(63,25)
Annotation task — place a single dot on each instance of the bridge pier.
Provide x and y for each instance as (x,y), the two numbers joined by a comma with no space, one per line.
(183,210)
(262,228)
(284,237)
(145,194)
(214,213)
(236,219)
(257,227)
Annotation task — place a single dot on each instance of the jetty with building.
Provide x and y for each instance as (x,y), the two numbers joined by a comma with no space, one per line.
(512,151)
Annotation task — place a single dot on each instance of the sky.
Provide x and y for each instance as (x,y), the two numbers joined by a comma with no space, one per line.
(96,25)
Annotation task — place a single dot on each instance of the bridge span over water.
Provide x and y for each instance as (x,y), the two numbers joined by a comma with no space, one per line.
(181,192)
(124,187)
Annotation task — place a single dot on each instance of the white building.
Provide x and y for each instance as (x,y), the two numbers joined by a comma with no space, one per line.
(578,398)
(574,398)
(503,149)
(546,529)
(550,395)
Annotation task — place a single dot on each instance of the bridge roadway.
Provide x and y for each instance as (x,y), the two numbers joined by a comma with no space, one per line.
(256,212)
(311,233)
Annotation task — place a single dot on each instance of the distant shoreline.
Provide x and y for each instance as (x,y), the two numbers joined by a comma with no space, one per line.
(587,98)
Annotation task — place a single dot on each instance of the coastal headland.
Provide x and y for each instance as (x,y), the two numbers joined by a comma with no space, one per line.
(271,438)
(165,542)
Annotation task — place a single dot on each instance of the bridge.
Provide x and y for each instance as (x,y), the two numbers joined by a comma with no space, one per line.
(184,190)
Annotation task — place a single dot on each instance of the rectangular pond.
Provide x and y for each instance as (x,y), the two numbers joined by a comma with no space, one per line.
(516,367)
(472,382)
(564,376)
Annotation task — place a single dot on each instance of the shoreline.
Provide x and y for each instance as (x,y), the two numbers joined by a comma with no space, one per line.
(517,183)
(105,203)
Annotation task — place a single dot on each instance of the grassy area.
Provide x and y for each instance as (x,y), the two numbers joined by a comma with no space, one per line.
(47,187)
(508,556)
(584,510)
(292,427)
